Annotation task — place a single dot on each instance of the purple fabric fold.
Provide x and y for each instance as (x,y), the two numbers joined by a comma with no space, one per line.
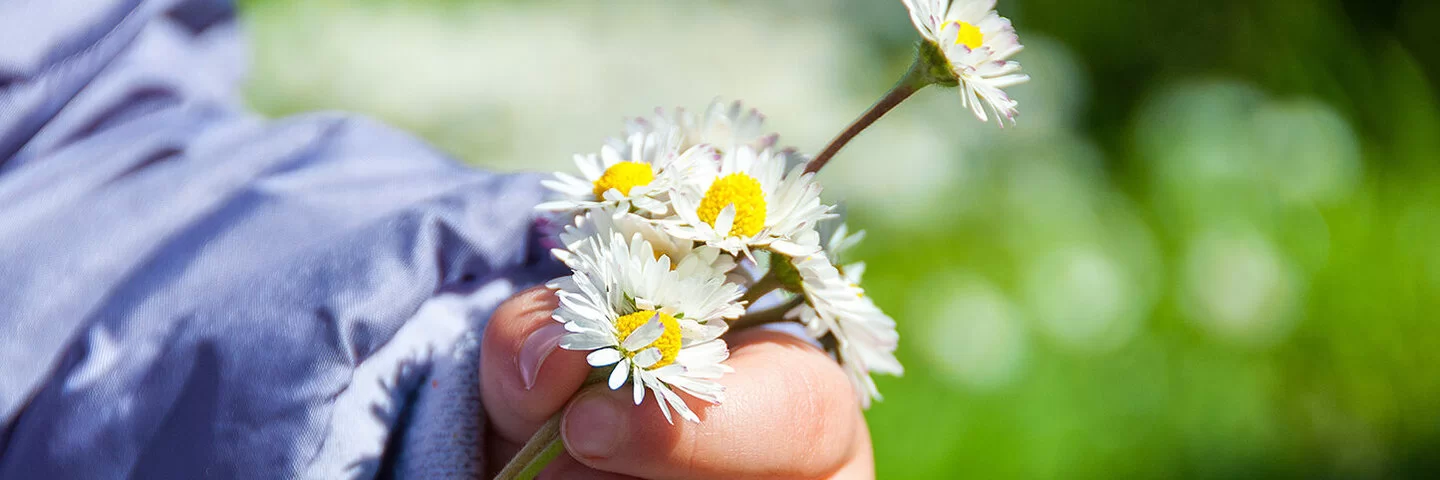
(188,290)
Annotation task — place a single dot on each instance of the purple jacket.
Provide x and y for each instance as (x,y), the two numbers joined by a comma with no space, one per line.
(189,290)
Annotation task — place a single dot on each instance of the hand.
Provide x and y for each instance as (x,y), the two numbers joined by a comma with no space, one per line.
(789,411)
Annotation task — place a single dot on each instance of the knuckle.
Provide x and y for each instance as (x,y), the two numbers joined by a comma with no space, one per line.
(525,302)
(514,316)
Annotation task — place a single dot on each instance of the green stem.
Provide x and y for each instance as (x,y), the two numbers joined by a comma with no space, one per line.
(551,451)
(543,447)
(763,286)
(915,79)
(546,443)
(766,316)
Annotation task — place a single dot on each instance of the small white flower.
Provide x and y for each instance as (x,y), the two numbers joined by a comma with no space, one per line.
(638,171)
(837,242)
(658,327)
(685,258)
(977,43)
(723,126)
(865,337)
(750,201)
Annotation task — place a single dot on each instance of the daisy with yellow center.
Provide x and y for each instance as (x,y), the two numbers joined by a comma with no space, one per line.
(636,172)
(964,44)
(624,177)
(969,35)
(864,337)
(658,326)
(740,191)
(752,199)
(973,45)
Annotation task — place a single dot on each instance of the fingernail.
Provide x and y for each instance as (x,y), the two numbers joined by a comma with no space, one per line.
(593,426)
(536,348)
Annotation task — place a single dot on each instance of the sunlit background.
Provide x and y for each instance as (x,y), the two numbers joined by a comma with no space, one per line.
(1210,249)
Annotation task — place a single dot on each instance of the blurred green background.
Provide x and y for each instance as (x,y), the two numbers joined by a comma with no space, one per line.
(1208,250)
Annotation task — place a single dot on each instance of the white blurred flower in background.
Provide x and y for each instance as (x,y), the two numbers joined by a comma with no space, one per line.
(1237,286)
(1090,271)
(489,83)
(1223,148)
(483,91)
(1084,298)
(1311,151)
(974,336)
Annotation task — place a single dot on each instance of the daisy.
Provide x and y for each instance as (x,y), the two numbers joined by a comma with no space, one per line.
(750,202)
(975,43)
(685,257)
(635,172)
(659,329)
(722,126)
(864,336)
(837,242)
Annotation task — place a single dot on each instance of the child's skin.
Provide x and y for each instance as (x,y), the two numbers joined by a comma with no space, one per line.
(789,410)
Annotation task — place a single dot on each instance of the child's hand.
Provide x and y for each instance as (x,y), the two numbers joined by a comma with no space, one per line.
(789,411)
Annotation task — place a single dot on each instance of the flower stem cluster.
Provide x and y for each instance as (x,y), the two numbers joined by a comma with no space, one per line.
(691,227)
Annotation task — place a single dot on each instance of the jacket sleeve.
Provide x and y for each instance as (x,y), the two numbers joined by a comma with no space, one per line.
(188,290)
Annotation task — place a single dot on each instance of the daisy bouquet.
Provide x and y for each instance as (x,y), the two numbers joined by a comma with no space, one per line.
(687,227)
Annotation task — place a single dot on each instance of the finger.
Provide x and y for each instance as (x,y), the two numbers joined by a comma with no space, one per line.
(520,345)
(862,461)
(562,467)
(565,467)
(497,452)
(789,412)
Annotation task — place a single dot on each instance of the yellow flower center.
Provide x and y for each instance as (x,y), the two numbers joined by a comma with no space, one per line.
(668,343)
(742,191)
(623,176)
(969,36)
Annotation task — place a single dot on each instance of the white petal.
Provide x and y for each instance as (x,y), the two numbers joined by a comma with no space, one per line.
(704,390)
(709,353)
(588,166)
(650,205)
(725,220)
(659,389)
(600,358)
(680,406)
(794,249)
(639,392)
(648,357)
(646,334)
(706,331)
(621,372)
(586,340)
(660,400)
(668,371)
